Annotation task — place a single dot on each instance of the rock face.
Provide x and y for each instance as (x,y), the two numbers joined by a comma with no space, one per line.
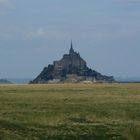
(70,69)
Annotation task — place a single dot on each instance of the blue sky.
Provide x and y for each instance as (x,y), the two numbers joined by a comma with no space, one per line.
(33,33)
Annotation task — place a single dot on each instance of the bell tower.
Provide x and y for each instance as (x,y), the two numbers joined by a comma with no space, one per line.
(71,51)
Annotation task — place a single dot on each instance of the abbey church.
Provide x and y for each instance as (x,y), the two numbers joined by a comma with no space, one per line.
(69,63)
(70,69)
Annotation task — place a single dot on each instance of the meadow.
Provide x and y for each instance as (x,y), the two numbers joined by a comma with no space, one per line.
(70,112)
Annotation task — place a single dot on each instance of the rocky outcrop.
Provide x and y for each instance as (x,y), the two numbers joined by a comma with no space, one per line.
(72,69)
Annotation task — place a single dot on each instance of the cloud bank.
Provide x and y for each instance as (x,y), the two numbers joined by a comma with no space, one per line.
(6,6)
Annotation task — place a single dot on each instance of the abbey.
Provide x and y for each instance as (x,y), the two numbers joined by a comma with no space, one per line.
(70,69)
(69,63)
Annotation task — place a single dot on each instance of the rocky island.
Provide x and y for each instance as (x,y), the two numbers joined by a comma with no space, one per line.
(70,69)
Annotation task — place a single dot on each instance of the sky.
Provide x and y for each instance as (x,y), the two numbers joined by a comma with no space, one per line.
(34,33)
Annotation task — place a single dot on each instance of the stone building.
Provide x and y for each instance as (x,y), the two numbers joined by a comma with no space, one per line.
(69,62)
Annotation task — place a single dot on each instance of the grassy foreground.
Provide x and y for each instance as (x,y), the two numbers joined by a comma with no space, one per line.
(70,112)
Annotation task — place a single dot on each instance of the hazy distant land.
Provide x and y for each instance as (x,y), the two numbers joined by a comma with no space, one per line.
(3,81)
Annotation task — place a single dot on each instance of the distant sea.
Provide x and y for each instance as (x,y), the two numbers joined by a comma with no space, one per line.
(20,80)
(118,79)
(128,79)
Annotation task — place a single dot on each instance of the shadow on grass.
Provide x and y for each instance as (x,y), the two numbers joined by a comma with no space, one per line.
(132,132)
(17,131)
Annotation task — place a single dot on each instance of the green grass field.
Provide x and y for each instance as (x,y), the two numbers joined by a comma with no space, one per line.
(70,112)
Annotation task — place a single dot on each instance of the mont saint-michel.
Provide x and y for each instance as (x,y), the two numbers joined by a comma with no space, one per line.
(72,68)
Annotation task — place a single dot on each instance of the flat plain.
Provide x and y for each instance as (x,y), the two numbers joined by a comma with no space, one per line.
(70,112)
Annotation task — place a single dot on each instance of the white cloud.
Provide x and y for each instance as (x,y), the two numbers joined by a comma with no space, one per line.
(6,6)
(39,32)
(31,33)
(45,33)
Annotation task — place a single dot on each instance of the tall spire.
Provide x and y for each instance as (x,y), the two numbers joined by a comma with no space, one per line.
(71,51)
(71,44)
